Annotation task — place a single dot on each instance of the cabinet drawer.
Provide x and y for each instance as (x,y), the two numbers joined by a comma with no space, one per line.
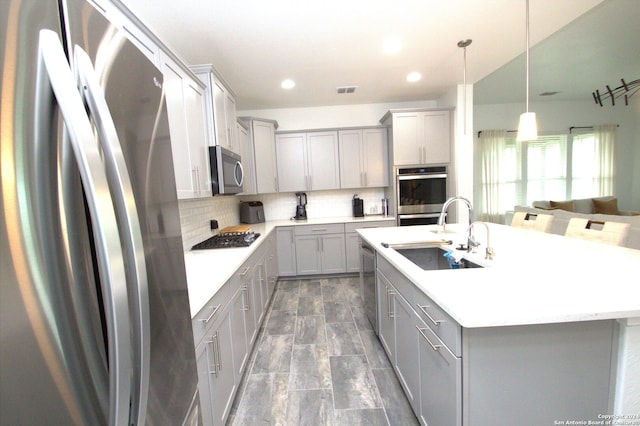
(352,226)
(322,228)
(203,320)
(448,330)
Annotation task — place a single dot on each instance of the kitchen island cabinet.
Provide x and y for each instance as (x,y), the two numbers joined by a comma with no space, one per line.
(498,345)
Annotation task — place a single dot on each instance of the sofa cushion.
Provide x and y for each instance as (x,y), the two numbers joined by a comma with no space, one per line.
(563,205)
(605,206)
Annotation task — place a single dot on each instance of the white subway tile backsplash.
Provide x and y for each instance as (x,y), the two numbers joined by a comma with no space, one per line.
(195,214)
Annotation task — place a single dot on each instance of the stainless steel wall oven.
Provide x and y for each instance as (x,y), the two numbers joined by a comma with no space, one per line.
(421,193)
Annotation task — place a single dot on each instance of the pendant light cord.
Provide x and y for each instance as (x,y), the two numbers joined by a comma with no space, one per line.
(528,66)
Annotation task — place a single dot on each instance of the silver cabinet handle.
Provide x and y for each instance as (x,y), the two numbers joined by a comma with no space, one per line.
(318,229)
(434,347)
(214,367)
(244,272)
(247,306)
(131,233)
(424,311)
(390,294)
(55,73)
(213,313)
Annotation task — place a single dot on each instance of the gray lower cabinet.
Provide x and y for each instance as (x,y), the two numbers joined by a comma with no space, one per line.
(225,332)
(217,382)
(271,264)
(320,249)
(286,249)
(533,374)
(440,380)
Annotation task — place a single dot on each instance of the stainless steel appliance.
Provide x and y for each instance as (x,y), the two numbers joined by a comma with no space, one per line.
(227,174)
(358,206)
(368,283)
(227,240)
(95,325)
(251,212)
(421,192)
(301,208)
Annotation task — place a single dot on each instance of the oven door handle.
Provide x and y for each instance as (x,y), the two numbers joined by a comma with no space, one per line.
(414,177)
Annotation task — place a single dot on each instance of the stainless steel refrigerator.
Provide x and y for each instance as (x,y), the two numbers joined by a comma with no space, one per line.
(95,325)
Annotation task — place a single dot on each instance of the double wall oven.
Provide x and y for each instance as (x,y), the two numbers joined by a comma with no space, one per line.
(421,193)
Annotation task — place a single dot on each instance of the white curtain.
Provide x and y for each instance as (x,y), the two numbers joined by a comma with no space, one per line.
(605,141)
(490,192)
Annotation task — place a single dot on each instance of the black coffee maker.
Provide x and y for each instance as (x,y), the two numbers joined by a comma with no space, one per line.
(301,208)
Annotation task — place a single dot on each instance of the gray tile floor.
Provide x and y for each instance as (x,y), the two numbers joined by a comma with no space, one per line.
(318,362)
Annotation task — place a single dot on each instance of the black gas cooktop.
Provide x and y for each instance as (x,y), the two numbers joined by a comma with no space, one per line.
(228,240)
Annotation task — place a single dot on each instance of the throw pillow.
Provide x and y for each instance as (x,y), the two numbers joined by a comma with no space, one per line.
(562,205)
(606,206)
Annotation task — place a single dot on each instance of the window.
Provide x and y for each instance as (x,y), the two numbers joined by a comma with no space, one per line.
(553,167)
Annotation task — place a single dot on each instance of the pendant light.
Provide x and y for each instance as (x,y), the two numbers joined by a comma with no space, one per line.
(463,44)
(528,128)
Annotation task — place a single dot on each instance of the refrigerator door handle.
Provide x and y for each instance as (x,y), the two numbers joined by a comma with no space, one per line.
(131,234)
(55,73)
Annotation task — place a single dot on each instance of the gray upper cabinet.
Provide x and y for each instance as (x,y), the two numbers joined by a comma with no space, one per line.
(420,137)
(189,144)
(259,156)
(363,158)
(220,109)
(307,161)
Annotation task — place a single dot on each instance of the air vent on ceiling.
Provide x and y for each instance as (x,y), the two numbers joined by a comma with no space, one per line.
(346,89)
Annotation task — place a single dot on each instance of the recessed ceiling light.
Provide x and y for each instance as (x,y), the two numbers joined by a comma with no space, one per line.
(288,84)
(391,45)
(413,77)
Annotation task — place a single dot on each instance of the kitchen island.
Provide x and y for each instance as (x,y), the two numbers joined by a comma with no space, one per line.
(542,333)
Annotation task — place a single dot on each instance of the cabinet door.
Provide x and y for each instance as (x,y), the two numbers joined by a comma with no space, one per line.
(272,265)
(333,254)
(216,370)
(247,286)
(407,141)
(323,161)
(386,316)
(240,346)
(437,144)
(308,260)
(230,119)
(351,159)
(352,245)
(197,134)
(286,249)
(291,163)
(219,117)
(406,364)
(440,374)
(375,158)
(175,97)
(265,156)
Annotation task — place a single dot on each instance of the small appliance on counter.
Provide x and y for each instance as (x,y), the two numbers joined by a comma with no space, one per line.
(301,208)
(251,212)
(358,206)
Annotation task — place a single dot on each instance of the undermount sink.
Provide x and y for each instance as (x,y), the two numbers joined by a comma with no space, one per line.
(432,258)
(445,231)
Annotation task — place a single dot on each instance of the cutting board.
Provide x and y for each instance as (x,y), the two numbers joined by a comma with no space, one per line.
(236,228)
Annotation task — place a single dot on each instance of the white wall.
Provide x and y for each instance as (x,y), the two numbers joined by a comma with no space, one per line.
(559,116)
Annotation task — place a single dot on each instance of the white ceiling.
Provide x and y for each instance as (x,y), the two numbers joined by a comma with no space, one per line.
(255,44)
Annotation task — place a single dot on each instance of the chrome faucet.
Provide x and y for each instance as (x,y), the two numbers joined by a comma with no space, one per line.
(473,243)
(441,221)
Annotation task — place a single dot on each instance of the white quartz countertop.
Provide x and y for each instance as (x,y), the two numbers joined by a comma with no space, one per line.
(535,277)
(208,270)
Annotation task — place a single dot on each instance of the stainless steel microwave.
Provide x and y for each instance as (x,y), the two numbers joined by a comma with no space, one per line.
(227,173)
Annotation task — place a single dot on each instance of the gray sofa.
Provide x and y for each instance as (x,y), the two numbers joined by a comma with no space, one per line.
(583,208)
